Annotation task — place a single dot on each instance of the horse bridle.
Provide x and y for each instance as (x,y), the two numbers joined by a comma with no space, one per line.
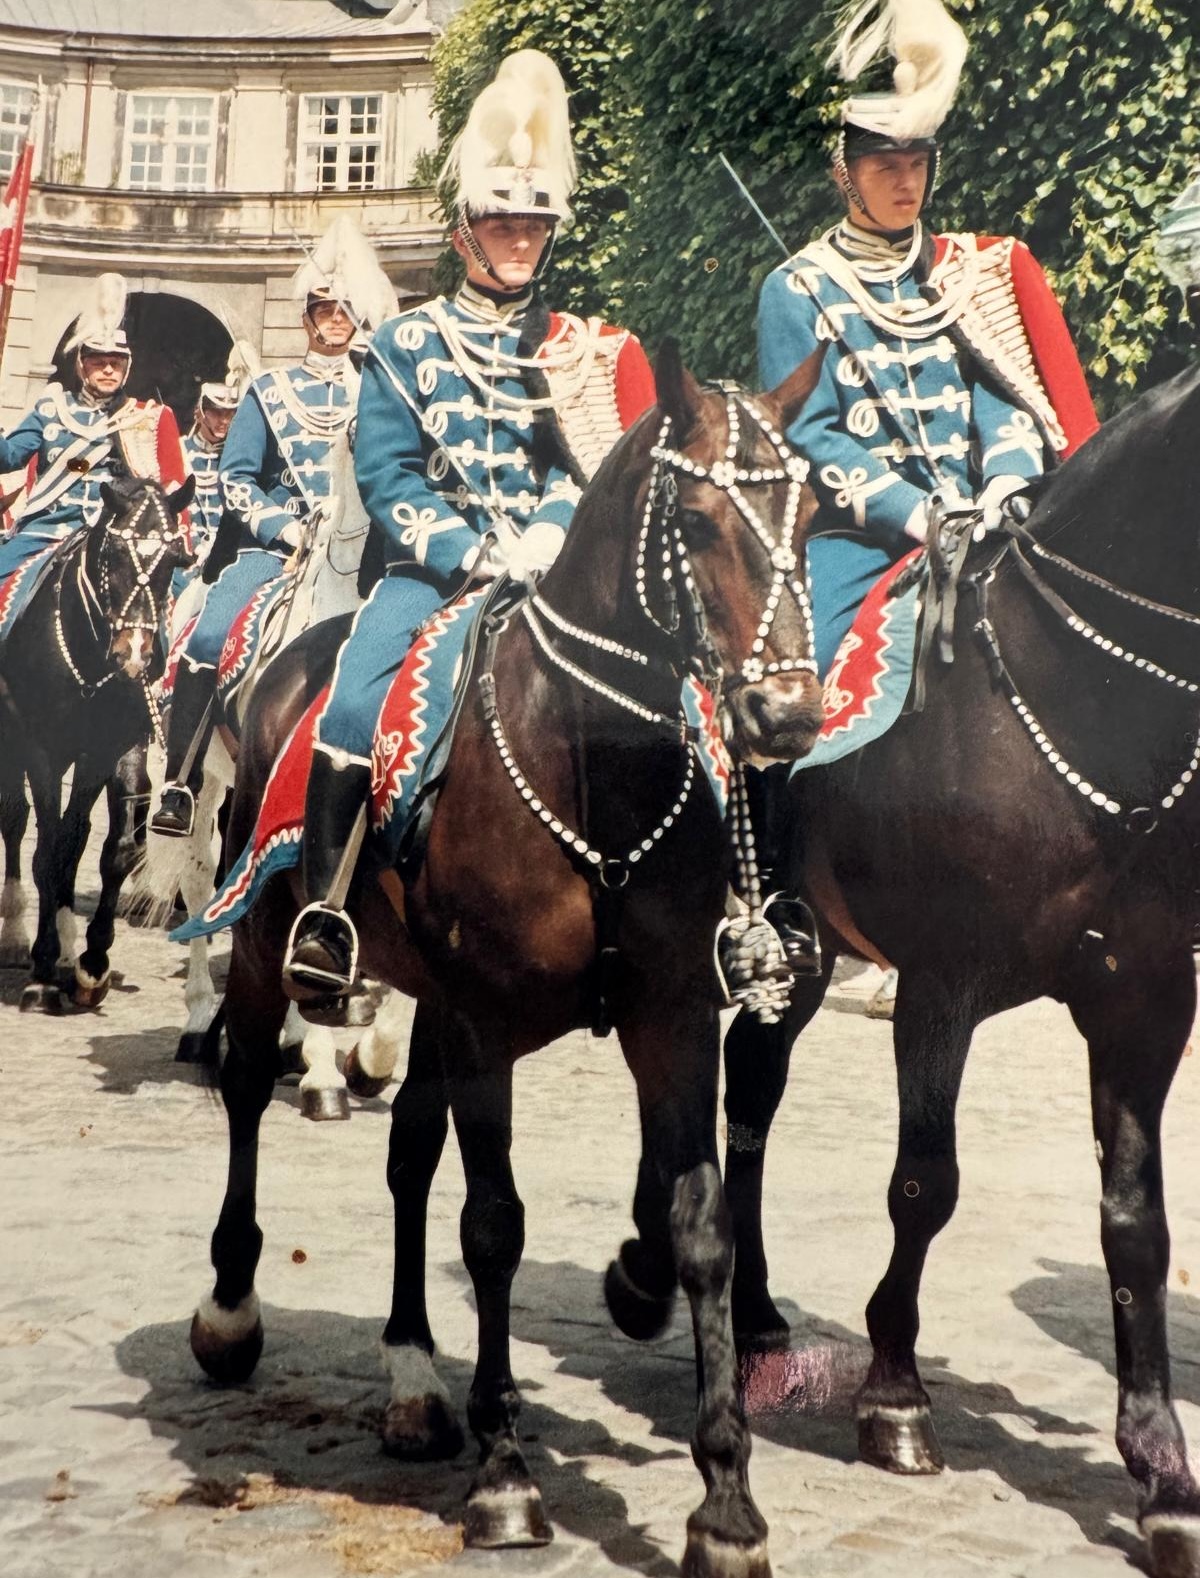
(683,601)
(129,616)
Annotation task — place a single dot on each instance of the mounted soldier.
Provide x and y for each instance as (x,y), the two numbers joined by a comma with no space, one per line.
(276,476)
(75,443)
(950,377)
(204,443)
(482,417)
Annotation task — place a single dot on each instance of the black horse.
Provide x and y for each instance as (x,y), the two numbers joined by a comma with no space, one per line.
(573,856)
(75,692)
(1032,832)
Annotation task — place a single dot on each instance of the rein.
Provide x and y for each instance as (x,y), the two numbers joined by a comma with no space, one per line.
(1020,549)
(127,538)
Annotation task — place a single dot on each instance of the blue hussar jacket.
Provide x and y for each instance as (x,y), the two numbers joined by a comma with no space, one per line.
(275,462)
(464,367)
(893,416)
(75,452)
(207,505)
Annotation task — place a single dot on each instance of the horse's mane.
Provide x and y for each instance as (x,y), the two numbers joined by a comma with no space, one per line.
(1142,443)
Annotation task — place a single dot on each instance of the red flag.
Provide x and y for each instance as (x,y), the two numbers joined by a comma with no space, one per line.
(12,215)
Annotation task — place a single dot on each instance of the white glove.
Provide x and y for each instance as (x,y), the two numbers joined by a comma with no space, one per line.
(917,524)
(991,500)
(291,535)
(489,566)
(535,550)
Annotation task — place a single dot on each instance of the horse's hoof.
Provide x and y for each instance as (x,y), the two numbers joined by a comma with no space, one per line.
(323,1105)
(638,1314)
(191,1047)
(41,997)
(705,1556)
(900,1440)
(358,1082)
(504,1517)
(229,1360)
(89,991)
(1174,1544)
(421,1430)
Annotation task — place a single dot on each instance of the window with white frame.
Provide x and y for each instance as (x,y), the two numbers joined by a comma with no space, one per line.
(170,142)
(16,106)
(341,142)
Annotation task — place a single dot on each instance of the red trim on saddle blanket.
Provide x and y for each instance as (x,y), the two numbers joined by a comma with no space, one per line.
(1054,352)
(281,818)
(243,637)
(854,683)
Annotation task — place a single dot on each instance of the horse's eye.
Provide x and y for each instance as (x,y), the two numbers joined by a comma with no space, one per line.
(696,526)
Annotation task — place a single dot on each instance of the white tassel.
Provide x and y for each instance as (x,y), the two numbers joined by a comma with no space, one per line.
(929,48)
(100,321)
(344,263)
(518,122)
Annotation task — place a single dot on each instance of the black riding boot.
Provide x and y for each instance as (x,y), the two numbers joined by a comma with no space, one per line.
(318,969)
(776,834)
(192,703)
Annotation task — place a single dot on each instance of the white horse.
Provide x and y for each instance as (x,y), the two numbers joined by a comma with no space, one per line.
(323,585)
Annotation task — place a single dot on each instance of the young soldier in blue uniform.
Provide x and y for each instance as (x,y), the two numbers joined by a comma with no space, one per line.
(480,418)
(203,445)
(74,443)
(274,477)
(949,373)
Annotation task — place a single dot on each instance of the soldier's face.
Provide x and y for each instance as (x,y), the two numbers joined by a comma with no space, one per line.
(892,185)
(512,244)
(214,422)
(103,372)
(330,327)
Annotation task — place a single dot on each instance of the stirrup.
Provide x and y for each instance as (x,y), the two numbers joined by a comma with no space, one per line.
(303,981)
(752,967)
(176,814)
(796,927)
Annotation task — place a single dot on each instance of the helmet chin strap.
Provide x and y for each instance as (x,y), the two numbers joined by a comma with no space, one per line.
(841,174)
(470,241)
(314,328)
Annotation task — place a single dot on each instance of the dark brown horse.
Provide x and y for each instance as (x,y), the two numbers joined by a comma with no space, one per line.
(75,672)
(569,766)
(1033,832)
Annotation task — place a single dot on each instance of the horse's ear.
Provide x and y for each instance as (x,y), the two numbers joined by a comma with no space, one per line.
(183,495)
(111,502)
(678,391)
(789,398)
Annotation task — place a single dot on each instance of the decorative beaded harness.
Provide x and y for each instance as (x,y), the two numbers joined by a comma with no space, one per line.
(146,549)
(676,572)
(1018,545)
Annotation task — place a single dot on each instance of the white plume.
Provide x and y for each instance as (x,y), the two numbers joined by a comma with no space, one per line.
(99,324)
(244,363)
(519,122)
(343,263)
(929,48)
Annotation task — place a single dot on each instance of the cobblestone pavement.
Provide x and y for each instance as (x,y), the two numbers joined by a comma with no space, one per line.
(119,1458)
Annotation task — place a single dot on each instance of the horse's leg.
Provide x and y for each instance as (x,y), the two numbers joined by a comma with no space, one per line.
(45,782)
(756,1070)
(504,1505)
(323,1095)
(420,1422)
(14,819)
(932,1034)
(131,782)
(76,827)
(369,1065)
(227,1332)
(1136,1030)
(673,1051)
(640,1284)
(197,873)
(118,856)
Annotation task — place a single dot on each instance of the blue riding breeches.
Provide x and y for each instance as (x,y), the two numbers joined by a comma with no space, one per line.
(22,545)
(843,568)
(228,595)
(369,659)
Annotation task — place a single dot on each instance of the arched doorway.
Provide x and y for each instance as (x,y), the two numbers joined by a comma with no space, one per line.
(176,344)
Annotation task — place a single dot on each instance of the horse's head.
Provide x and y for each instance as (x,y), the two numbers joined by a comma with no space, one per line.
(134,549)
(721,555)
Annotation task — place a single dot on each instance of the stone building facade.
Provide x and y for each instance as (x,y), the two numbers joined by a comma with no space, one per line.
(196,150)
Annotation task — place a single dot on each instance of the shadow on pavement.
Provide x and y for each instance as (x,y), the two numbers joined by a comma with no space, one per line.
(807,1399)
(311,1417)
